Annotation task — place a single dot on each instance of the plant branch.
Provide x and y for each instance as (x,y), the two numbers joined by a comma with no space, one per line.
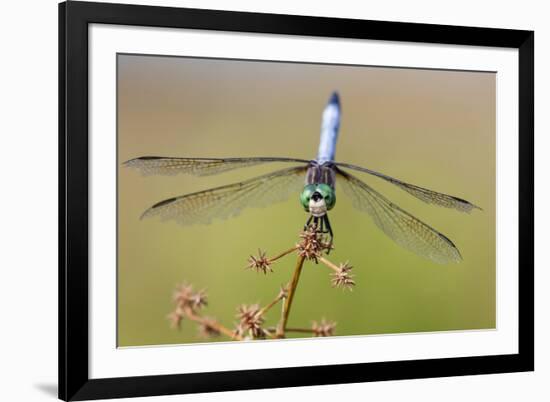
(281,255)
(268,307)
(329,264)
(291,292)
(190,314)
(302,330)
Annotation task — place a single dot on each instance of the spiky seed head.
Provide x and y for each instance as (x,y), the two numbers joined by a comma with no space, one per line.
(343,277)
(251,320)
(199,299)
(323,328)
(175,318)
(260,263)
(311,246)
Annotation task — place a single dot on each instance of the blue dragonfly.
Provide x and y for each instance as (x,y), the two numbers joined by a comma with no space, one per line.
(317,197)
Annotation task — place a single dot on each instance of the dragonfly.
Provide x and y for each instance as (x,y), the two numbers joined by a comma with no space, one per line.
(315,180)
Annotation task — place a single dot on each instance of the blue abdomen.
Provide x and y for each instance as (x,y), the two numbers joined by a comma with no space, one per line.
(330,125)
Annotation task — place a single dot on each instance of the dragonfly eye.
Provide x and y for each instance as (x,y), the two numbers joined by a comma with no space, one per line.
(327,192)
(306,195)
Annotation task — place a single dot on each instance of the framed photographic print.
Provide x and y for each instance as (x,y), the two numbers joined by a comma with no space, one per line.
(257,201)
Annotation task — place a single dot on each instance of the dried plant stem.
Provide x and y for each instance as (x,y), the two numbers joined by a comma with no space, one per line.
(329,264)
(271,334)
(291,250)
(268,307)
(303,330)
(190,314)
(291,292)
(251,317)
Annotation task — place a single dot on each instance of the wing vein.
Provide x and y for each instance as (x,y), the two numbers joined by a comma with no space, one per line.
(399,225)
(421,193)
(229,200)
(169,166)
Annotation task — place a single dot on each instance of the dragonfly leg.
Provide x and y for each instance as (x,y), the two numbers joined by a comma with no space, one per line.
(329,228)
(308,222)
(315,222)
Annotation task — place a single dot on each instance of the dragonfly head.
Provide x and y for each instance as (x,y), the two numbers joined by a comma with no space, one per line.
(318,198)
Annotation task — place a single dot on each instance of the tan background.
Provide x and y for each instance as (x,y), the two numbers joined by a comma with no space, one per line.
(432,128)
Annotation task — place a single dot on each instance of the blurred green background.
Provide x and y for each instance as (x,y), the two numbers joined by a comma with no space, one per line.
(432,128)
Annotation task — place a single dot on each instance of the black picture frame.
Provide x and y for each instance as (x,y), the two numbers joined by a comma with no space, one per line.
(74,18)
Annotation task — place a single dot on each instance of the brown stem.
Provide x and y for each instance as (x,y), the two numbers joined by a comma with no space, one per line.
(329,264)
(283,254)
(271,334)
(291,292)
(268,307)
(190,314)
(303,330)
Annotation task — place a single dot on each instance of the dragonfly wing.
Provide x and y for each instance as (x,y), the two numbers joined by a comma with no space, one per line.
(228,201)
(423,194)
(168,166)
(403,228)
